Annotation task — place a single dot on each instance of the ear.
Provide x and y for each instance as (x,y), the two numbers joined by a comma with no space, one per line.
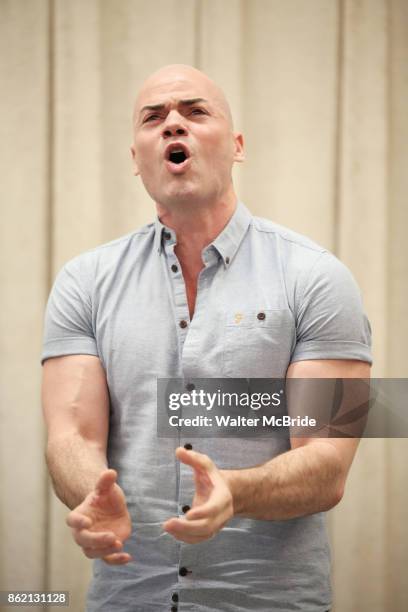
(239,155)
(136,170)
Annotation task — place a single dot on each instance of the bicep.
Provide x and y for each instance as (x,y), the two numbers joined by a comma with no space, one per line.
(75,398)
(344,448)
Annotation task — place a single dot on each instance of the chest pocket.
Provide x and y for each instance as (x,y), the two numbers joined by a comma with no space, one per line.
(258,343)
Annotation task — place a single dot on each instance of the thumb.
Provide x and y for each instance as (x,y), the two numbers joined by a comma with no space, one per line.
(197,461)
(105,481)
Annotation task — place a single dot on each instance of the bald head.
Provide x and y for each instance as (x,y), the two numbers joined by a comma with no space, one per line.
(169,78)
(181,106)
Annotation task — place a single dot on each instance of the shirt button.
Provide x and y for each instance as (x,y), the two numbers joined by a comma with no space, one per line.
(174,597)
(185,509)
(227,260)
(183,571)
(183,324)
(174,268)
(261,316)
(166,235)
(190,387)
(188,446)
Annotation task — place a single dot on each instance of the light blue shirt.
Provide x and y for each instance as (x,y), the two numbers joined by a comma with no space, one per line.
(126,303)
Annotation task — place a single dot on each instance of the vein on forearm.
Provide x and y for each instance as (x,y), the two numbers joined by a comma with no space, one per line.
(301,481)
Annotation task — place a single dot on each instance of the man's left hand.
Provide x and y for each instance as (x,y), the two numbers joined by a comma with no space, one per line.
(212,505)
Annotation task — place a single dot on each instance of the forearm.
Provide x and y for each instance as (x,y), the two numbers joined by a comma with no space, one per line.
(302,481)
(74,465)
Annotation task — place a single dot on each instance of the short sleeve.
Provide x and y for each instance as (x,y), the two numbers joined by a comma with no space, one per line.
(68,326)
(330,319)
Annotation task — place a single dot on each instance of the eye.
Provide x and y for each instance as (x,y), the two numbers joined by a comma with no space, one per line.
(150,117)
(198,111)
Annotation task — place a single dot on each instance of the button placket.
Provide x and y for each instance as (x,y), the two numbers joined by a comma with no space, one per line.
(186,493)
(189,331)
(190,354)
(179,292)
(186,487)
(189,365)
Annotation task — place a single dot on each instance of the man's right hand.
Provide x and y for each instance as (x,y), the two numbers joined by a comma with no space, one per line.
(101,523)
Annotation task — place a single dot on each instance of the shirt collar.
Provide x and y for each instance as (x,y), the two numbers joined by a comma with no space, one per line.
(162,234)
(226,243)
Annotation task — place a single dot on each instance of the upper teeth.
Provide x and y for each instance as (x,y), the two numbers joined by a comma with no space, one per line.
(177,151)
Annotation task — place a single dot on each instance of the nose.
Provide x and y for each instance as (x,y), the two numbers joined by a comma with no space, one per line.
(173,126)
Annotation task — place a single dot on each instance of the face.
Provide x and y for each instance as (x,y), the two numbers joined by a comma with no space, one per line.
(184,147)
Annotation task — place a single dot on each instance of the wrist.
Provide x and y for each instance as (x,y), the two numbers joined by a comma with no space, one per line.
(232,479)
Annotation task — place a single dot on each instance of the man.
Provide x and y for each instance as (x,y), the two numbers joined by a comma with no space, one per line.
(205,291)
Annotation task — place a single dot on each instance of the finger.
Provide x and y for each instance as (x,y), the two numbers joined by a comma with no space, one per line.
(194,528)
(196,460)
(182,537)
(218,509)
(204,528)
(204,511)
(189,532)
(99,553)
(190,539)
(118,559)
(105,481)
(94,539)
(78,520)
(215,506)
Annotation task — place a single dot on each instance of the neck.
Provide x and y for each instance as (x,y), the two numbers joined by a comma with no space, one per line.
(196,226)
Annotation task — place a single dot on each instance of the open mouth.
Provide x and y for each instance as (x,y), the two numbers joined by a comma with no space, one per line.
(177,154)
(177,157)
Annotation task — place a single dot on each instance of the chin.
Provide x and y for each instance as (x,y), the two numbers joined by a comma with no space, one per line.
(179,196)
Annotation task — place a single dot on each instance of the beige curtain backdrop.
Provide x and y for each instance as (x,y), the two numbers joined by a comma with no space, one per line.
(320,90)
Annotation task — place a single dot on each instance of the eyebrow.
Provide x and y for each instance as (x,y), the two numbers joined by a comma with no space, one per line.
(188,102)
